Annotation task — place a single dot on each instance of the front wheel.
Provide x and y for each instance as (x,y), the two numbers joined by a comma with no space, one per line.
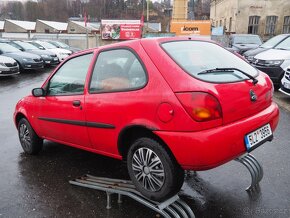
(29,140)
(153,171)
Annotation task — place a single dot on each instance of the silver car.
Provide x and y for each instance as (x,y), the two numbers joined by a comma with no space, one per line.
(8,66)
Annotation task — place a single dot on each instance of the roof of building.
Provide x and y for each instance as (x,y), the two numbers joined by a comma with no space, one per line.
(90,26)
(56,25)
(27,25)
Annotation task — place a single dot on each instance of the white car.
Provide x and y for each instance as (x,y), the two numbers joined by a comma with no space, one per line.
(60,52)
(285,82)
(274,61)
(8,66)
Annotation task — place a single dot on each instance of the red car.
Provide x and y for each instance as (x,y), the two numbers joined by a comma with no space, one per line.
(164,105)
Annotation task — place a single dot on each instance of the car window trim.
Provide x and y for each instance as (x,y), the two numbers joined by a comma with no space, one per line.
(117,90)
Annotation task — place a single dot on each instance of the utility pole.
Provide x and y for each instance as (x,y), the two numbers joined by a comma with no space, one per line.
(148,14)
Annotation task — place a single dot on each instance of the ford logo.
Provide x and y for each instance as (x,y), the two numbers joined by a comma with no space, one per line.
(253,96)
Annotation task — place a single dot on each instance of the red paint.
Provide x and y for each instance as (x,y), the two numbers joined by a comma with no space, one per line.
(196,144)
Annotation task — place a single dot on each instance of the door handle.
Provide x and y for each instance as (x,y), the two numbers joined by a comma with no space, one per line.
(76,103)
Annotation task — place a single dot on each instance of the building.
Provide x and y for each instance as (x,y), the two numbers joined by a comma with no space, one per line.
(43,26)
(18,26)
(80,27)
(264,17)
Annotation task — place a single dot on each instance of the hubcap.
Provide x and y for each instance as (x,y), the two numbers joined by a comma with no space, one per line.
(24,137)
(148,169)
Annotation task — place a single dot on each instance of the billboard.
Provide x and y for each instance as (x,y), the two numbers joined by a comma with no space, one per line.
(121,29)
(190,27)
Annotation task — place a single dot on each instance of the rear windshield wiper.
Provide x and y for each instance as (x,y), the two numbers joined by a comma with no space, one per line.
(231,70)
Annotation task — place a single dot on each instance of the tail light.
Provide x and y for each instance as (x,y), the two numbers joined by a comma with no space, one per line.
(201,106)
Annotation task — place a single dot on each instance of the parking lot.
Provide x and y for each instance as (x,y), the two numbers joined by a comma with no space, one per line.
(38,186)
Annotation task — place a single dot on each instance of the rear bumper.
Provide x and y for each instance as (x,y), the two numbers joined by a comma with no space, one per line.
(210,148)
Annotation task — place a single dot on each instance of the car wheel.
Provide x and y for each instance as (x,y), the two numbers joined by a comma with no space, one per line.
(29,140)
(153,171)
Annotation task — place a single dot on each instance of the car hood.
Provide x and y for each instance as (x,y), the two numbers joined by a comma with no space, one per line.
(4,59)
(255,51)
(59,50)
(274,54)
(41,52)
(245,47)
(21,55)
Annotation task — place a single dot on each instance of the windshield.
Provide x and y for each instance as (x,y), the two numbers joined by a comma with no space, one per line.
(26,46)
(247,39)
(6,48)
(285,45)
(46,45)
(197,56)
(273,41)
(60,44)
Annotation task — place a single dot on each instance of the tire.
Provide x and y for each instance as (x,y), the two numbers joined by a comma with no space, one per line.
(29,140)
(157,186)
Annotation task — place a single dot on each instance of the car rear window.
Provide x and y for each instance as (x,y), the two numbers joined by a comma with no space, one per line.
(200,59)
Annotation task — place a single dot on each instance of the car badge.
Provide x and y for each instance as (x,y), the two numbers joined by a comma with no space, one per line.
(253,96)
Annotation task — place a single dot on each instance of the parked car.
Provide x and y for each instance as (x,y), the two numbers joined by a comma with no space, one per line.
(274,61)
(271,43)
(48,57)
(8,66)
(285,82)
(60,52)
(241,43)
(161,104)
(59,44)
(25,60)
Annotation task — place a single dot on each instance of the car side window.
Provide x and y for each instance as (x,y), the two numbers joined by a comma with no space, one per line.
(117,70)
(70,78)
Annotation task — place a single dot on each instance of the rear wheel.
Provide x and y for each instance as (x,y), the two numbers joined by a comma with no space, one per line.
(29,140)
(153,171)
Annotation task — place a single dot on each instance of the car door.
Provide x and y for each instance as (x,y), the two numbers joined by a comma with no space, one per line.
(60,113)
(118,74)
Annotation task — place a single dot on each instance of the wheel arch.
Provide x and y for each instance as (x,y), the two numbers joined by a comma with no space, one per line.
(18,117)
(131,133)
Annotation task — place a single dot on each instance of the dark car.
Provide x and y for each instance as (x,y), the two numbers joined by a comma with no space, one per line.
(271,43)
(241,43)
(48,57)
(59,44)
(161,104)
(24,59)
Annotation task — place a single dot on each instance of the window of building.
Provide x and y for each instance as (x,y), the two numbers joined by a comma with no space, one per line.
(286,24)
(221,23)
(230,24)
(225,23)
(216,24)
(271,22)
(253,26)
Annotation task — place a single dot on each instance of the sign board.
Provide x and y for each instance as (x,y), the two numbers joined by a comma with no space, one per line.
(121,29)
(190,27)
(217,31)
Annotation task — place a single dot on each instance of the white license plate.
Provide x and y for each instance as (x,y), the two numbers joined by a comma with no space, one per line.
(55,59)
(286,85)
(258,136)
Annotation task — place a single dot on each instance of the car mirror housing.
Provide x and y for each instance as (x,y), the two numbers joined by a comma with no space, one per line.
(38,92)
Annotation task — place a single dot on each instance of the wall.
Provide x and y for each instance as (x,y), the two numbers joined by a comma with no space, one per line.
(12,28)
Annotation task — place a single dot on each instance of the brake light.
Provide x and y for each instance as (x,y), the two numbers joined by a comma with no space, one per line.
(201,106)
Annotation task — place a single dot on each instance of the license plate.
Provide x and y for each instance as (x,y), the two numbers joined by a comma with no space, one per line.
(286,85)
(254,138)
(55,59)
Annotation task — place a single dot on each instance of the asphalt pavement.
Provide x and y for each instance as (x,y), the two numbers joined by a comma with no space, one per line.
(38,186)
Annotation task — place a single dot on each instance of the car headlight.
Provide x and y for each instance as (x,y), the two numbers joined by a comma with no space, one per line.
(274,62)
(44,56)
(27,59)
(249,58)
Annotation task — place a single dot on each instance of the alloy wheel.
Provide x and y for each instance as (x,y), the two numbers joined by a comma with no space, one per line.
(24,136)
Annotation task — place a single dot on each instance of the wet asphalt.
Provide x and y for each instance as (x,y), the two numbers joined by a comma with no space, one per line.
(38,186)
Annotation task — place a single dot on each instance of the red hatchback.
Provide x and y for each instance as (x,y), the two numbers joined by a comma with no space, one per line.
(164,105)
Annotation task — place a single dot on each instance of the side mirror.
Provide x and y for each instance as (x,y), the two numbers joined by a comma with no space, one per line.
(21,49)
(42,48)
(38,92)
